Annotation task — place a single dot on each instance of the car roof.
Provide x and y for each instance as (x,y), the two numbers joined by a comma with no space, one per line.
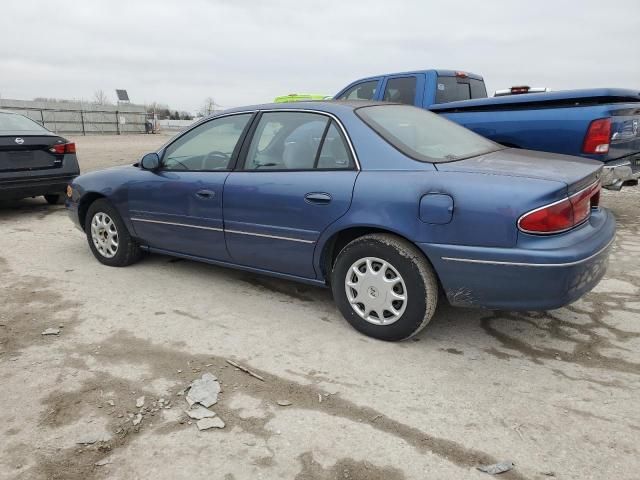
(329,106)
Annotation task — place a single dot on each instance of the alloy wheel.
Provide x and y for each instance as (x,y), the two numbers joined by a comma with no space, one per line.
(104,234)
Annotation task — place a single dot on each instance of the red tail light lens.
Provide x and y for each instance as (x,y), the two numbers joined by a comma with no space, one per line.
(598,136)
(62,148)
(563,215)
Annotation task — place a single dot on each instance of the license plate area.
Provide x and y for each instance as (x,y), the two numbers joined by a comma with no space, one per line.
(26,160)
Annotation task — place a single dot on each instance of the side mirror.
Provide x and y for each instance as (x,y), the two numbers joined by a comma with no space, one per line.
(151,161)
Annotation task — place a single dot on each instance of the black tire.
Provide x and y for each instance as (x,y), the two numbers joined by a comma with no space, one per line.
(416,272)
(127,252)
(53,199)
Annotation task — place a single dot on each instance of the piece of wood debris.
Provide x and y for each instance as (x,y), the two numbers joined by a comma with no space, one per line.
(245,370)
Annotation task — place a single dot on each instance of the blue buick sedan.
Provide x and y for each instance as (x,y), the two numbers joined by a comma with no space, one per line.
(390,206)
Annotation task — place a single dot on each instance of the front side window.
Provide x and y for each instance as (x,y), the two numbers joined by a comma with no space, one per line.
(296,141)
(400,90)
(361,91)
(207,147)
(423,135)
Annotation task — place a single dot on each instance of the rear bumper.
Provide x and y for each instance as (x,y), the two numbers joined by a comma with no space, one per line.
(542,273)
(616,172)
(32,187)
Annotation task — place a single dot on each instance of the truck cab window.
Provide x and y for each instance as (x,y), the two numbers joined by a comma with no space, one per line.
(361,91)
(400,90)
(453,89)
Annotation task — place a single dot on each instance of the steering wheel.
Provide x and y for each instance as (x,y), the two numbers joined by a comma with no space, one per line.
(215,155)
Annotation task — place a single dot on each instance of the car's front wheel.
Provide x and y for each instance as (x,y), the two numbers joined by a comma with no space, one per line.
(384,286)
(108,236)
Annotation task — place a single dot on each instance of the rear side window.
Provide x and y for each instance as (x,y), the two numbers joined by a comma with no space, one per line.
(400,90)
(361,91)
(297,141)
(19,123)
(453,89)
(334,153)
(423,135)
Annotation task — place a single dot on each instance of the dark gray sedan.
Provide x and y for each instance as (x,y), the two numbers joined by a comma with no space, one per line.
(33,160)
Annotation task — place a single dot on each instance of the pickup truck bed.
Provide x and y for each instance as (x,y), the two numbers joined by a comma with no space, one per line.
(558,122)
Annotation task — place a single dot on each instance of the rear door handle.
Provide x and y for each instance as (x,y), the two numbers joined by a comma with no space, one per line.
(317,198)
(205,193)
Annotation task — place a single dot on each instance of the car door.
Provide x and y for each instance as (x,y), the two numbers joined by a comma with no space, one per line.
(178,208)
(296,178)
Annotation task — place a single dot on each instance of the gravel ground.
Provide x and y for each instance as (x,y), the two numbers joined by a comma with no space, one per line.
(555,392)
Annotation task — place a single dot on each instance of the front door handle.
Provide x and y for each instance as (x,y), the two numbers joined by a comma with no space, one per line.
(317,198)
(205,194)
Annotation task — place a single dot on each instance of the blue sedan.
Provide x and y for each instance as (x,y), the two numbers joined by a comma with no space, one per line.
(391,206)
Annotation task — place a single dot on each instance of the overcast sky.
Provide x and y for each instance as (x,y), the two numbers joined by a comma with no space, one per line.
(243,52)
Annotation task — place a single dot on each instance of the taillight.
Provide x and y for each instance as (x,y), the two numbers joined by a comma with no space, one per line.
(598,136)
(62,148)
(520,89)
(563,215)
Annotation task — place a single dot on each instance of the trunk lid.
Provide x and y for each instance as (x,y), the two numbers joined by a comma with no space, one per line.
(28,152)
(575,172)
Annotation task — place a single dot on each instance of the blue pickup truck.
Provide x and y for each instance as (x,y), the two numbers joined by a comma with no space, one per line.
(602,124)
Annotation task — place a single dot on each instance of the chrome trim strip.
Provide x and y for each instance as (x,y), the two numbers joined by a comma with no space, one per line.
(177,224)
(523,264)
(551,205)
(277,237)
(239,232)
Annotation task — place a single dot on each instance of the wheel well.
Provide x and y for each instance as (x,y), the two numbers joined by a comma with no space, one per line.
(340,240)
(84,205)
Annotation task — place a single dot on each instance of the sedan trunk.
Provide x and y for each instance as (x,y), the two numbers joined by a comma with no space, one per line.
(575,172)
(28,152)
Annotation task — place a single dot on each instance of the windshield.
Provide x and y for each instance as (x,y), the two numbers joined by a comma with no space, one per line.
(18,123)
(423,135)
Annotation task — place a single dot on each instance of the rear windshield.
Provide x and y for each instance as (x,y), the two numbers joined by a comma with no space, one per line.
(13,122)
(423,135)
(452,89)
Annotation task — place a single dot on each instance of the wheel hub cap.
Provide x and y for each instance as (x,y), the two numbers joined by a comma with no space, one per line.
(376,291)
(104,235)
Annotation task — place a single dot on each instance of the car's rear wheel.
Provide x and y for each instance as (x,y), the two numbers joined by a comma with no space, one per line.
(384,286)
(53,199)
(108,236)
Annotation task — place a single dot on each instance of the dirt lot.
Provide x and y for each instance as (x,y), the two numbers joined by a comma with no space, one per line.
(555,392)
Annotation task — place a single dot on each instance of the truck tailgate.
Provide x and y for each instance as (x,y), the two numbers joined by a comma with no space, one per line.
(625,132)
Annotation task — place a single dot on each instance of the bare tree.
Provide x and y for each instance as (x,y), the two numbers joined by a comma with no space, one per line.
(100,98)
(209,106)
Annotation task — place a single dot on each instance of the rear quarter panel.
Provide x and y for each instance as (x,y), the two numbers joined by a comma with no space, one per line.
(485,213)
